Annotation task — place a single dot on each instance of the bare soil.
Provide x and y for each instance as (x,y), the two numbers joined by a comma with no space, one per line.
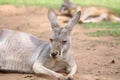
(98,58)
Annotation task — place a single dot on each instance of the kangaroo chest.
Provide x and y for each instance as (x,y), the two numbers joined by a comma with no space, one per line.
(56,65)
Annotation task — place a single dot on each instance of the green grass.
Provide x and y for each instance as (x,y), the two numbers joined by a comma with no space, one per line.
(111,29)
(108,25)
(112,4)
(43,3)
(98,33)
(114,28)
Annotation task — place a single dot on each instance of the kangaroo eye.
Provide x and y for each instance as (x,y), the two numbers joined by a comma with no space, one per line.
(64,42)
(51,40)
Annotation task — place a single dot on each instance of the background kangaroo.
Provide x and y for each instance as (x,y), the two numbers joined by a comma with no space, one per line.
(22,52)
(89,13)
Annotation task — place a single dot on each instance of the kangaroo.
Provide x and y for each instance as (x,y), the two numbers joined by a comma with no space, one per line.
(22,52)
(92,14)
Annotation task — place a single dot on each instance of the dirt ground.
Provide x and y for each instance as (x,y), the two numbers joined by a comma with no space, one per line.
(98,58)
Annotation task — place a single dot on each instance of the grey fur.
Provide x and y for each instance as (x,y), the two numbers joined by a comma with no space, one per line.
(22,52)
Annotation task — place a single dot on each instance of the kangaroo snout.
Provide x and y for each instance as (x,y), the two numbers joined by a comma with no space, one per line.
(54,54)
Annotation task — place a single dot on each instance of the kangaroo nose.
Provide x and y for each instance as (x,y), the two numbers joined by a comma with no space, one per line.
(54,54)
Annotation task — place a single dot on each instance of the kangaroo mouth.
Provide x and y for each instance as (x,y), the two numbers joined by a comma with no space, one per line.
(53,56)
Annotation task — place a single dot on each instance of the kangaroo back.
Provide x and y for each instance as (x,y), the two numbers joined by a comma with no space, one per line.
(17,50)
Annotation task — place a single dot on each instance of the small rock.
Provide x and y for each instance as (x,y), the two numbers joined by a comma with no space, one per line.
(116,72)
(112,62)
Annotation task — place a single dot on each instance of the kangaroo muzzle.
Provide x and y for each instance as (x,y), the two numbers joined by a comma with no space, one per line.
(54,54)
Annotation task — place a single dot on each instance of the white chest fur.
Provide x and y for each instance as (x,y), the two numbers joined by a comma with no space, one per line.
(55,65)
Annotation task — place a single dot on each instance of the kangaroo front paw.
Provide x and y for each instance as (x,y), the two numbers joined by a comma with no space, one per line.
(69,78)
(61,77)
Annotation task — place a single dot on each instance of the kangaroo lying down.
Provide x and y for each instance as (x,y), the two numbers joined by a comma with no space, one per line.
(89,13)
(22,52)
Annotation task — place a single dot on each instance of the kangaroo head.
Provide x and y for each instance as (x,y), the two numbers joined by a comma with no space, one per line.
(67,7)
(60,40)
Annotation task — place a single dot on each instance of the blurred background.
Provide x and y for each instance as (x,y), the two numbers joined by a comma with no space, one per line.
(95,46)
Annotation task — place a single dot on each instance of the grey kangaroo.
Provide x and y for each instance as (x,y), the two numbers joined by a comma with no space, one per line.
(22,52)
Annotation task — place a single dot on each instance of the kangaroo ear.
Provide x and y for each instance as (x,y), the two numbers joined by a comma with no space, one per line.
(66,1)
(73,21)
(53,19)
